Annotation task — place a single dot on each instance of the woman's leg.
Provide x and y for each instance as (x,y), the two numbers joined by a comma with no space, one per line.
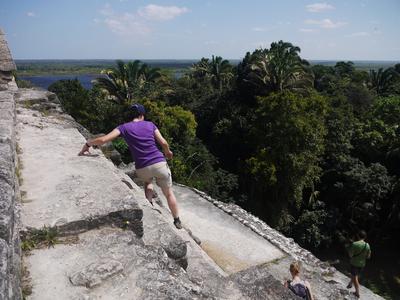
(148,191)
(172,204)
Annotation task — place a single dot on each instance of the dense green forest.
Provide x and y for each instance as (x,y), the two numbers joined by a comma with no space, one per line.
(313,150)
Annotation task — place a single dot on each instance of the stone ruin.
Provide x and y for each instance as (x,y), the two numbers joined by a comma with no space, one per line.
(110,243)
(10,251)
(7,65)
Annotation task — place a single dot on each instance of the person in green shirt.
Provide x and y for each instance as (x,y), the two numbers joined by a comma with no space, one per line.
(359,251)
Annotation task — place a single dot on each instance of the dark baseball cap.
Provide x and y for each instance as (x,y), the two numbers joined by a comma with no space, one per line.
(138,108)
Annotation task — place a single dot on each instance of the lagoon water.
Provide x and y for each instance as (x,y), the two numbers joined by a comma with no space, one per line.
(44,81)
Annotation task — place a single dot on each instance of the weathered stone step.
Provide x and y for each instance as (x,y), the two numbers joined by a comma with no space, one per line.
(107,263)
(231,245)
(61,187)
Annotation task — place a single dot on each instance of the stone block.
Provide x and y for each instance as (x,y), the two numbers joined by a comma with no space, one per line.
(4,269)
(7,105)
(95,273)
(6,210)
(6,134)
(6,97)
(6,115)
(15,268)
(7,163)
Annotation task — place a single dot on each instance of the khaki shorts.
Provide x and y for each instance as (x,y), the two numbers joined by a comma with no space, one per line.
(160,171)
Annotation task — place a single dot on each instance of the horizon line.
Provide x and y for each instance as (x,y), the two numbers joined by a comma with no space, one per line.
(194,59)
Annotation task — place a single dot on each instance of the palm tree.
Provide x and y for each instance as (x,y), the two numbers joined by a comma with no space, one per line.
(382,80)
(280,68)
(218,71)
(126,81)
(201,69)
(221,72)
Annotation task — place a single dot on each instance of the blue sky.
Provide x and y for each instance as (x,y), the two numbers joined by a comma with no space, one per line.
(191,29)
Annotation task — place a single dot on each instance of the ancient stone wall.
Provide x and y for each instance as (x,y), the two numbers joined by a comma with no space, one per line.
(7,65)
(9,236)
(10,253)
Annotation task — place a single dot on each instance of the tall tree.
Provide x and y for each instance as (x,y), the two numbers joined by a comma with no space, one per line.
(289,135)
(218,71)
(382,81)
(128,80)
(281,68)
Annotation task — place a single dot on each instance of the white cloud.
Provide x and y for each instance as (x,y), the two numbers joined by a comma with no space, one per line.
(126,25)
(358,34)
(123,24)
(307,30)
(319,7)
(31,14)
(139,22)
(259,29)
(161,13)
(325,23)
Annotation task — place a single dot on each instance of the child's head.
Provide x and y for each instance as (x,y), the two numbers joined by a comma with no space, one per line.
(362,235)
(294,268)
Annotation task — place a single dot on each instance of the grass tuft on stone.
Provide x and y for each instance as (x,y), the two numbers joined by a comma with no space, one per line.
(37,238)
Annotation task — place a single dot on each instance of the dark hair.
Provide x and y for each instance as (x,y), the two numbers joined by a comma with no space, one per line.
(134,114)
(137,110)
(362,235)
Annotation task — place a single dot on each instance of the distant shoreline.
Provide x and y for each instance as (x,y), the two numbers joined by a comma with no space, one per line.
(35,67)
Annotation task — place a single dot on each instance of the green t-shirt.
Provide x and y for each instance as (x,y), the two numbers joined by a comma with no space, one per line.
(359,252)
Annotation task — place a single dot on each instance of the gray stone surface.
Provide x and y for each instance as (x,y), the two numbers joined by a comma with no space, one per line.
(6,62)
(4,269)
(241,247)
(9,237)
(108,263)
(59,184)
(256,283)
(6,211)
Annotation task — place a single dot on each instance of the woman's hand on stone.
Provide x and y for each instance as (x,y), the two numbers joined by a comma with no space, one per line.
(85,149)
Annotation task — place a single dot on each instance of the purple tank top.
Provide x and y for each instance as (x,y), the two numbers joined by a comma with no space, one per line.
(142,144)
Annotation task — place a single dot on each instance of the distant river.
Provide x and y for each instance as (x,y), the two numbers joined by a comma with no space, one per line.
(44,81)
